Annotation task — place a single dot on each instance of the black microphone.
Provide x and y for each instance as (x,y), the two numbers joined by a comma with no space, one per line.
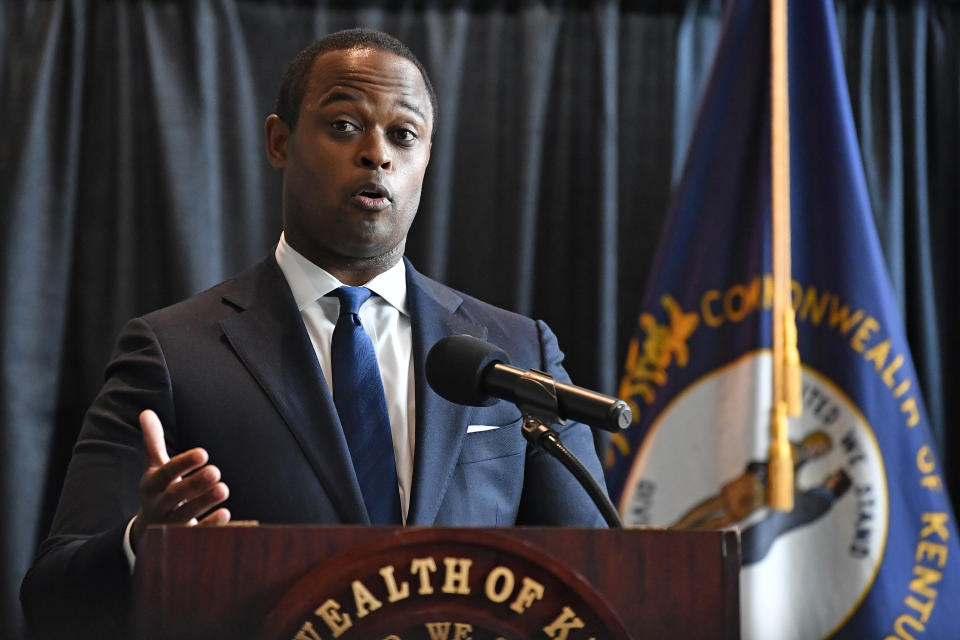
(467,370)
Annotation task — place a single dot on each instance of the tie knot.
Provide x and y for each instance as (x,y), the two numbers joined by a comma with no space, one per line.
(351,298)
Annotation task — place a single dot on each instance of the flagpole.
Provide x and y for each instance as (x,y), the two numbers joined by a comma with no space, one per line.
(786,360)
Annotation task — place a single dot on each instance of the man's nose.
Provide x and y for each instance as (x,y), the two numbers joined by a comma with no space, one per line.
(374,153)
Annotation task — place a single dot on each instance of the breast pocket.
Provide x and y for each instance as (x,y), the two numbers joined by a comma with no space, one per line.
(506,439)
(487,482)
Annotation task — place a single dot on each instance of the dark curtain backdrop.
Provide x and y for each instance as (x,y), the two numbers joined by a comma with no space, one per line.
(132,175)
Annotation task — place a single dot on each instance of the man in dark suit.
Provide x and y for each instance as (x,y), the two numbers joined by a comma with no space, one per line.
(235,383)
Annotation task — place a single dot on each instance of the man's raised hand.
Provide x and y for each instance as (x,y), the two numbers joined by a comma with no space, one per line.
(176,490)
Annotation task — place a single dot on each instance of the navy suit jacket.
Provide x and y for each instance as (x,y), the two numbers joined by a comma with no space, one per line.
(233,370)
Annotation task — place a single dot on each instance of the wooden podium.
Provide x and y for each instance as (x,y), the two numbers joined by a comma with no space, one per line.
(371,583)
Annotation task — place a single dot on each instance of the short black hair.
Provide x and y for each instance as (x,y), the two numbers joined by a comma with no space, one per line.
(293,85)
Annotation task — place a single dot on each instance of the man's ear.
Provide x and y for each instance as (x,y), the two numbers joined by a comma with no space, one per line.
(277,135)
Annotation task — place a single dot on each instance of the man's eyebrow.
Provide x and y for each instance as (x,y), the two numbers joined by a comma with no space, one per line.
(337,96)
(414,108)
(346,96)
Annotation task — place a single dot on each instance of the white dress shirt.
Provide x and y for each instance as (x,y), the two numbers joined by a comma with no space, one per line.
(386,320)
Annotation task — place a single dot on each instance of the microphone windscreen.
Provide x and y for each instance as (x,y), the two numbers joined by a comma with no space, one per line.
(455,367)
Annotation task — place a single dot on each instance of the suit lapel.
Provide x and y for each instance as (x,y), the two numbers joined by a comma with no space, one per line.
(440,425)
(269,337)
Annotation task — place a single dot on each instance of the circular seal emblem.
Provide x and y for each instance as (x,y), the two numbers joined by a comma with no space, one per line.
(427,584)
(703,465)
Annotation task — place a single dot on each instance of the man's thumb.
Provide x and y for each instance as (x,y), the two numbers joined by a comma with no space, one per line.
(153,439)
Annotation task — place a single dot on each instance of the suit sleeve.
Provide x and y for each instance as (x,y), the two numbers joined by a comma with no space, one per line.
(551,494)
(80,581)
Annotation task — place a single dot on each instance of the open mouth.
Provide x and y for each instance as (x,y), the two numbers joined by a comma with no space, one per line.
(372,197)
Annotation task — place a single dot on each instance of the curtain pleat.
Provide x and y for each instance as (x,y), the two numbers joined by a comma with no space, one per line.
(696,42)
(607,36)
(39,162)
(540,30)
(448,39)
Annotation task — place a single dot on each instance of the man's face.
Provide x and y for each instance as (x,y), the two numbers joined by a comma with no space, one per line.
(354,164)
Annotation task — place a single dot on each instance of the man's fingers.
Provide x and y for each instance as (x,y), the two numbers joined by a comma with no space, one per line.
(178,489)
(193,507)
(153,439)
(193,488)
(220,516)
(157,479)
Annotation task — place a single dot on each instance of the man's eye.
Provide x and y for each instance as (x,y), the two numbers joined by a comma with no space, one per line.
(344,126)
(405,136)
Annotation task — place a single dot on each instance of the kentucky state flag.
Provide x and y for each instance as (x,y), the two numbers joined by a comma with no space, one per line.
(870,548)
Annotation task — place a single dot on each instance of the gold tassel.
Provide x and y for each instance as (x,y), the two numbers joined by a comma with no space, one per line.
(780,467)
(791,363)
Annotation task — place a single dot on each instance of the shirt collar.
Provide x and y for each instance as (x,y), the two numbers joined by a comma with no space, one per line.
(309,283)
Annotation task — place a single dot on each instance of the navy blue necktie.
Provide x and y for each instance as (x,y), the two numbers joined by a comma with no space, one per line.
(362,406)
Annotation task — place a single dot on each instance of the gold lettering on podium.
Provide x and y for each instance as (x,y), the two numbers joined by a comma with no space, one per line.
(501,585)
(560,628)
(490,588)
(441,630)
(329,612)
(393,593)
(457,576)
(363,600)
(307,632)
(530,591)
(423,567)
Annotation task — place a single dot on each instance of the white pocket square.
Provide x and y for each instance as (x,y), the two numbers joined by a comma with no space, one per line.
(474,428)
